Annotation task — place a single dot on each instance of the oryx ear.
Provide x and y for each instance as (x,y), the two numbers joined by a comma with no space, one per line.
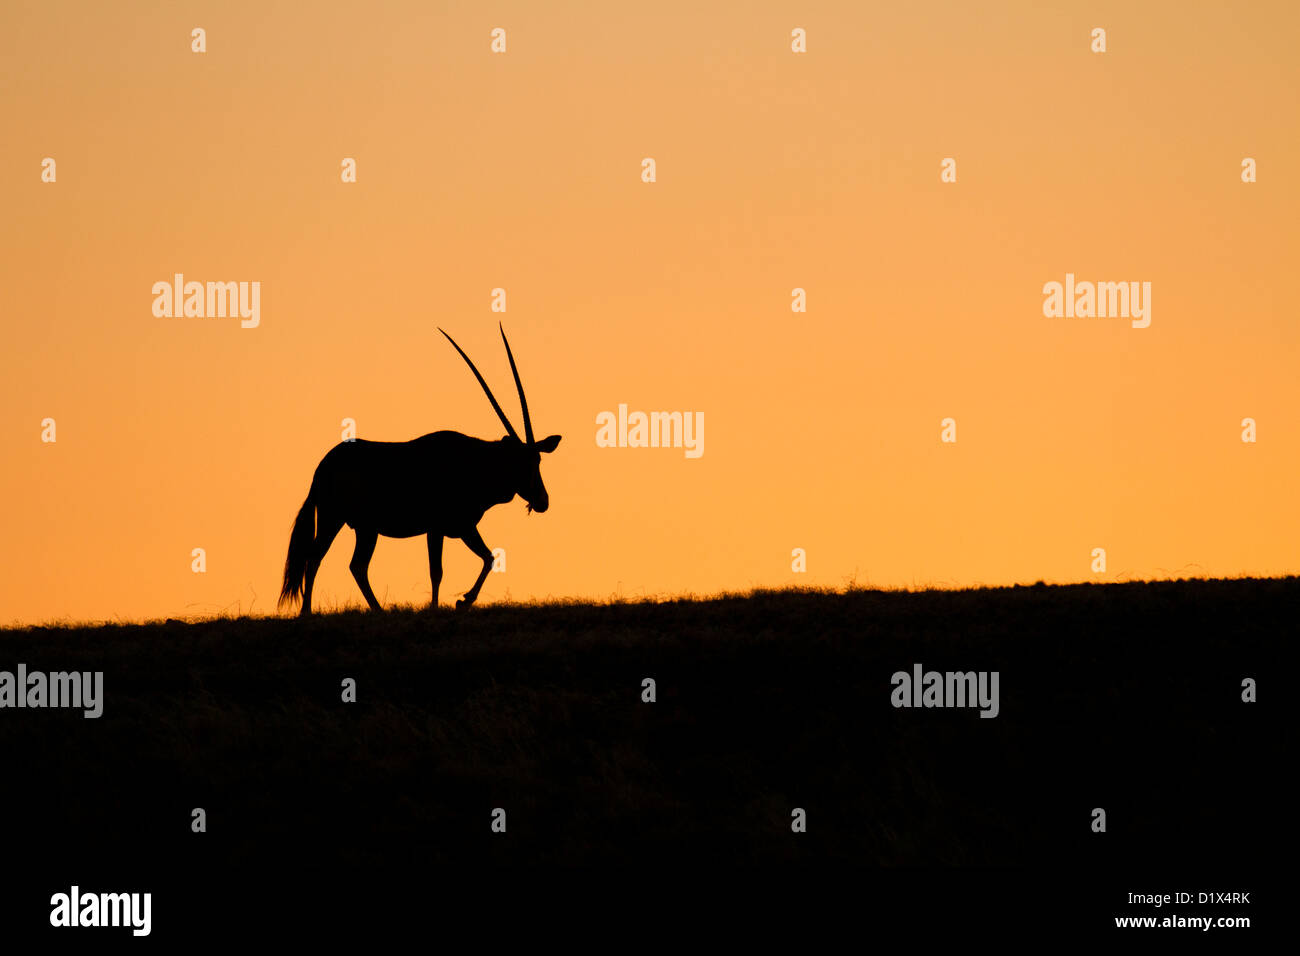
(548,444)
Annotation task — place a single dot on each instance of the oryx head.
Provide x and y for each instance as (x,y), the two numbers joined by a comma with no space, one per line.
(525,455)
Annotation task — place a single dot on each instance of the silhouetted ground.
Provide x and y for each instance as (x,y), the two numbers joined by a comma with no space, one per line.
(1125,697)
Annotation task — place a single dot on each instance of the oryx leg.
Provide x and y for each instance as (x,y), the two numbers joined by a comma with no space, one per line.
(435,564)
(327,527)
(360,564)
(474,541)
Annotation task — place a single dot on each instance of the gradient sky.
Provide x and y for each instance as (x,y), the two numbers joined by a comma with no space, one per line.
(775,170)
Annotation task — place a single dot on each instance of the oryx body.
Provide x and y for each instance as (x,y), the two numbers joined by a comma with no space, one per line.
(439,485)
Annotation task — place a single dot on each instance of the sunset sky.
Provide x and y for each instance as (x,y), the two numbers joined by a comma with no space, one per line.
(775,170)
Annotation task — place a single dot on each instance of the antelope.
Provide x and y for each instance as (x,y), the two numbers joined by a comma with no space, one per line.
(439,485)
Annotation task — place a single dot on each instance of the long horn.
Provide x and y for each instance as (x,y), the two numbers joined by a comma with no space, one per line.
(510,429)
(523,402)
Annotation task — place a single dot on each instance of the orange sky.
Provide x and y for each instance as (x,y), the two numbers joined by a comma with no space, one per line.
(775,170)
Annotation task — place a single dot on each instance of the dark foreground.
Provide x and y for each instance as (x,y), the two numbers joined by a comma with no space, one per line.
(1121,697)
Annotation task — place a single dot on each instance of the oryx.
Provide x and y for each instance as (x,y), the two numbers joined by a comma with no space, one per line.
(437,485)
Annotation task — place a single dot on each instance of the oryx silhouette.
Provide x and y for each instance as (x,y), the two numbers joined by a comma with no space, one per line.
(438,485)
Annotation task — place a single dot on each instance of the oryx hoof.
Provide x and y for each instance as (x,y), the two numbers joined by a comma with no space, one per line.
(464,604)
